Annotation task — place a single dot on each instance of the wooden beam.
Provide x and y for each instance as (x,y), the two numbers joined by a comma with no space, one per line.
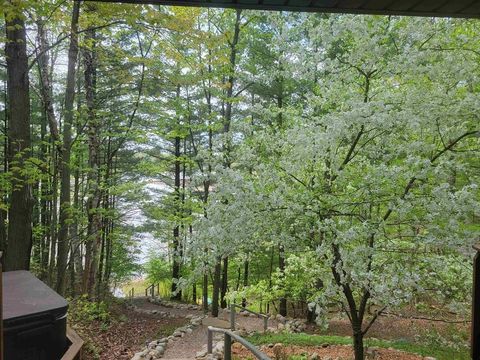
(74,352)
(393,8)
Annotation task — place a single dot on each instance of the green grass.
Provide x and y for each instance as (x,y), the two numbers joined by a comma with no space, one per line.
(138,286)
(440,353)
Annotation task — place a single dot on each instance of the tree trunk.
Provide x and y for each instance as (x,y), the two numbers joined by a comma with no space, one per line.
(53,218)
(245,281)
(94,236)
(3,212)
(239,275)
(358,344)
(77,249)
(310,315)
(56,149)
(205,293)
(270,271)
(102,285)
(44,206)
(216,287)
(224,287)
(111,227)
(229,94)
(176,293)
(281,265)
(99,285)
(65,188)
(19,242)
(3,230)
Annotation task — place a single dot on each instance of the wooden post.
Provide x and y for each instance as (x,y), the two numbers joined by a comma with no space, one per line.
(227,347)
(1,307)
(265,324)
(209,341)
(232,317)
(475,337)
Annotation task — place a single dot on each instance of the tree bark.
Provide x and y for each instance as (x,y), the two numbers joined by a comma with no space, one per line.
(53,220)
(245,281)
(94,236)
(358,343)
(224,288)
(3,230)
(56,148)
(3,212)
(227,133)
(44,206)
(216,287)
(19,242)
(230,85)
(77,248)
(176,293)
(65,188)
(205,292)
(281,265)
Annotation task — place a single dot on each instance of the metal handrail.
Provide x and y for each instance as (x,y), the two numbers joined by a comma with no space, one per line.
(228,335)
(233,313)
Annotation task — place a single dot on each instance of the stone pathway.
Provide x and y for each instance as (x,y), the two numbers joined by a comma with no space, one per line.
(187,346)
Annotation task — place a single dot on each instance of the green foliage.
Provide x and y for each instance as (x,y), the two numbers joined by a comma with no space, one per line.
(352,144)
(440,352)
(124,256)
(157,269)
(84,310)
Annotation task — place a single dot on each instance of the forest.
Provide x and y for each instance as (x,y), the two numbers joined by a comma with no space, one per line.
(304,165)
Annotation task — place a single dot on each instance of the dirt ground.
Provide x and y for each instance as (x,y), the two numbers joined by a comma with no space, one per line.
(340,352)
(126,334)
(395,328)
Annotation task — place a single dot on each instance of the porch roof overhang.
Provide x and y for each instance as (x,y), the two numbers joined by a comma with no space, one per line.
(429,8)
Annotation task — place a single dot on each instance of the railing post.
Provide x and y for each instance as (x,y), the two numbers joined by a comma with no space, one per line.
(265,324)
(228,339)
(146,292)
(209,341)
(227,347)
(232,317)
(152,291)
(158,289)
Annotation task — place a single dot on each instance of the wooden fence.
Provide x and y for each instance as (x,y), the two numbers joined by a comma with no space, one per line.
(228,336)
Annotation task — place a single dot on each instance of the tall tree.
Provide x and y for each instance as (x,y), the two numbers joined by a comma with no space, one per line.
(19,241)
(65,188)
(94,235)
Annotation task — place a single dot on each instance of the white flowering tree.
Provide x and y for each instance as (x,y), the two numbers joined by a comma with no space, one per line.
(374,166)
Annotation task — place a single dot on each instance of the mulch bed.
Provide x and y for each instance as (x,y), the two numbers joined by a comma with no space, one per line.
(340,352)
(394,328)
(126,334)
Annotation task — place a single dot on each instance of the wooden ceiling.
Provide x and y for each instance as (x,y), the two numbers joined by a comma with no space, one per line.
(440,8)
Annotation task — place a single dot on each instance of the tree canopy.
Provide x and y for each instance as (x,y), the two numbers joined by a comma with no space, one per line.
(272,157)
